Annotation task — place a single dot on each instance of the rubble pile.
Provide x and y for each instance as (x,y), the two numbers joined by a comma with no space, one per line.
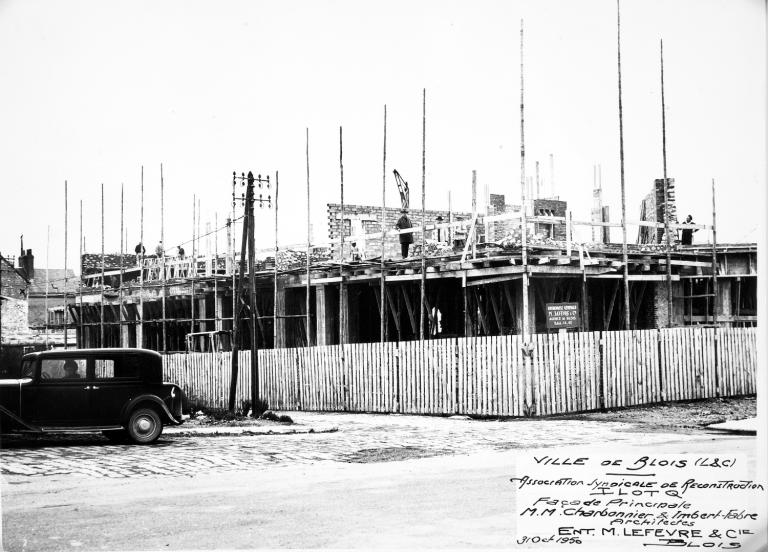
(514,241)
(289,259)
(432,248)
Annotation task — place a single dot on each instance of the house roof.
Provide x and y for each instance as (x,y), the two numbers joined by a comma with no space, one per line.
(55,280)
(8,265)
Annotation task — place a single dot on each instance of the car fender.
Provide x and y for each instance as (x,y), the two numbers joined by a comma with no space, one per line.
(155,400)
(19,421)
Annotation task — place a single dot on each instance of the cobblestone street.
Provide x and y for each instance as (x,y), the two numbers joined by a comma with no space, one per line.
(333,438)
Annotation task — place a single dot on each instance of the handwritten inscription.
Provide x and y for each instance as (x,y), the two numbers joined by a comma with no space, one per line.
(645,501)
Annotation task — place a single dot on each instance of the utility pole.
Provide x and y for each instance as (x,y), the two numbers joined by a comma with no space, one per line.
(248,242)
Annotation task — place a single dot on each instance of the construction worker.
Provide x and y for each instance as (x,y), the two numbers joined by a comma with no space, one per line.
(182,253)
(354,252)
(686,234)
(140,252)
(405,239)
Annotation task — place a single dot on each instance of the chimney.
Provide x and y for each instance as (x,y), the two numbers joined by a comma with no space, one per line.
(27,264)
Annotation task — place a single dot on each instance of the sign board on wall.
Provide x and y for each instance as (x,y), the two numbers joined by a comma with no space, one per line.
(562,315)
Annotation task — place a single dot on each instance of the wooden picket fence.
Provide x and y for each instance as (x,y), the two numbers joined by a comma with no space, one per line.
(493,376)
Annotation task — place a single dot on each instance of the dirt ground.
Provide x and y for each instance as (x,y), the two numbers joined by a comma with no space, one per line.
(678,416)
(684,415)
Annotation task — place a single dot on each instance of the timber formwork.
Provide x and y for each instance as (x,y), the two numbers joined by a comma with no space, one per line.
(479,296)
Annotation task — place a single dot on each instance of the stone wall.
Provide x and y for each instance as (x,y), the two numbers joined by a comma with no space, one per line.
(13,313)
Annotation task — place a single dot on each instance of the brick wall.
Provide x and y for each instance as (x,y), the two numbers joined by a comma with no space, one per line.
(511,228)
(652,210)
(367,219)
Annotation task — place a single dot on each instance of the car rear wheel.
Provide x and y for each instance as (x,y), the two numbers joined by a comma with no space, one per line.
(144,426)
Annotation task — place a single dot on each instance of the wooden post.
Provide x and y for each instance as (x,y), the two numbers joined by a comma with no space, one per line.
(237,292)
(624,256)
(162,247)
(192,265)
(309,238)
(274,282)
(382,284)
(122,267)
(470,231)
(215,271)
(47,279)
(252,281)
(528,380)
(66,279)
(101,318)
(342,303)
(714,256)
(450,220)
(423,279)
(666,190)
(140,334)
(81,335)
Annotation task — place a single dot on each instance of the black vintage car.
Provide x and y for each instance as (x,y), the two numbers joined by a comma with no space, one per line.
(119,392)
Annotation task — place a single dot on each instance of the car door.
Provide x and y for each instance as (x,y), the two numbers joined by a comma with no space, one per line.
(59,397)
(116,380)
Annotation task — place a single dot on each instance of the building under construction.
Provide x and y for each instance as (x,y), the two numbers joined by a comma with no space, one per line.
(478,274)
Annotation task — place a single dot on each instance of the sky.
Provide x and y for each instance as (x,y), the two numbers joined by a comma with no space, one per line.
(93,91)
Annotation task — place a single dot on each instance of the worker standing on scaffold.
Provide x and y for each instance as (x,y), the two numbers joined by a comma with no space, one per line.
(405,239)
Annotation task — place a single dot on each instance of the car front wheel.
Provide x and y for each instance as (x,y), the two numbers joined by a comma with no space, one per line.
(144,426)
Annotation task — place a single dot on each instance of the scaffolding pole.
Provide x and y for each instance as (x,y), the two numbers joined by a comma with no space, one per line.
(47,279)
(122,268)
(81,338)
(309,239)
(423,279)
(342,317)
(624,256)
(192,264)
(523,236)
(714,257)
(342,302)
(666,190)
(162,247)
(66,279)
(103,267)
(140,255)
(215,270)
(382,283)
